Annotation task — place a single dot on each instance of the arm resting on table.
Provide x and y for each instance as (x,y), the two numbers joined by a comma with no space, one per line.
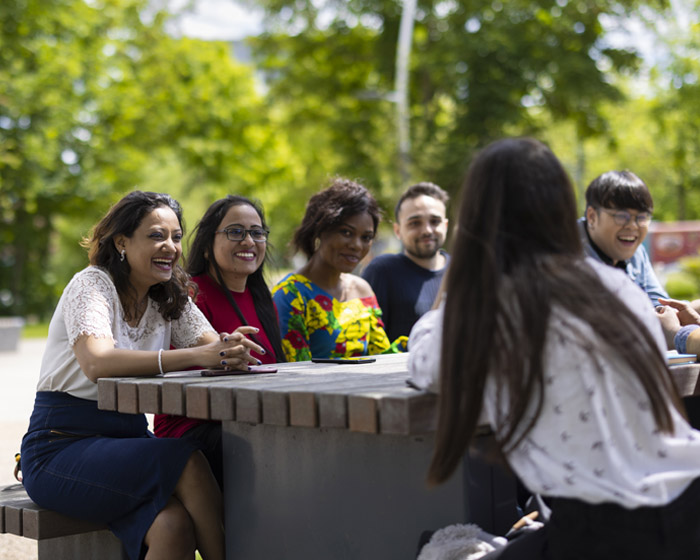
(99,358)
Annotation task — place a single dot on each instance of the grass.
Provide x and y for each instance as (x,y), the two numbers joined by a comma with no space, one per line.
(36,330)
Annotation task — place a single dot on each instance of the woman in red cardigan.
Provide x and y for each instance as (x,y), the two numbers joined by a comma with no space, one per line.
(226,261)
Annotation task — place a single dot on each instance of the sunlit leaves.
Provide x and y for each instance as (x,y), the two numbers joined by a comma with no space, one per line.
(478,68)
(94,97)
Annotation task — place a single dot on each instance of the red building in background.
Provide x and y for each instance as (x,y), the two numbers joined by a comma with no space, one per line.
(669,241)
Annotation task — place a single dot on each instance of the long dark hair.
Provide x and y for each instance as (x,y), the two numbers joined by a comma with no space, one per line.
(199,262)
(516,254)
(123,219)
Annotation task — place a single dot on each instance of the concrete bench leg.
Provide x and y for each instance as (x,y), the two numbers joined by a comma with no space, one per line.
(86,546)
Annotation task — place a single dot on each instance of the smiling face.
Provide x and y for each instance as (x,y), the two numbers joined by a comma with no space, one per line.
(421,227)
(344,246)
(238,259)
(153,250)
(617,242)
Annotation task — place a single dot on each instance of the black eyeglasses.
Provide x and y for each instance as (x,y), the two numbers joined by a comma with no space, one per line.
(258,235)
(622,217)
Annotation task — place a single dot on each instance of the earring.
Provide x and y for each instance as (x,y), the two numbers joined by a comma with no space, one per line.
(123,254)
(317,244)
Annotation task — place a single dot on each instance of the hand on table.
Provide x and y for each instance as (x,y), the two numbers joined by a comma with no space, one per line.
(232,350)
(686,314)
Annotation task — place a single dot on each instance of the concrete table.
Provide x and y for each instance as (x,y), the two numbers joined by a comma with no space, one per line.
(321,460)
(327,461)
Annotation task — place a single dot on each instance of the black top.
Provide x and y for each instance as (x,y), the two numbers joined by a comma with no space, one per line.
(404,290)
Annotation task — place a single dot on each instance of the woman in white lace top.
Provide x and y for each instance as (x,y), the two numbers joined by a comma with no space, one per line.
(563,357)
(119,317)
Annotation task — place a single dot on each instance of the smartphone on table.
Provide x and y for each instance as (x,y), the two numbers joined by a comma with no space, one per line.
(251,371)
(358,360)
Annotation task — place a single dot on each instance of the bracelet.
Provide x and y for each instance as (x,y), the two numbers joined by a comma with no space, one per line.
(160,361)
(681,338)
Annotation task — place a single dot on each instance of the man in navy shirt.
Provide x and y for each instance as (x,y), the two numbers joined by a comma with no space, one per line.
(618,212)
(406,283)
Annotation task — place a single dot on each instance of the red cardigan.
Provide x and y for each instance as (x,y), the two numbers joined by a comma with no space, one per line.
(216,308)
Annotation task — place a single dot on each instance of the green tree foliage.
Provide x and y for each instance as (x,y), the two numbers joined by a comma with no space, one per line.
(654,131)
(677,115)
(478,67)
(94,99)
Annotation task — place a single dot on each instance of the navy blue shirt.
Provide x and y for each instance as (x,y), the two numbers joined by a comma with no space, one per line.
(404,290)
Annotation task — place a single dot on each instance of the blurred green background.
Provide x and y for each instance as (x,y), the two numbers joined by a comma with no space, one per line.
(100,97)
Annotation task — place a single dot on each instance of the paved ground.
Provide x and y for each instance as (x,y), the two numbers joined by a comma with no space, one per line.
(18,375)
(19,372)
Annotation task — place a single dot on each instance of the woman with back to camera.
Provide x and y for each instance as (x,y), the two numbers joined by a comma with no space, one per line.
(565,358)
(226,261)
(118,317)
(324,310)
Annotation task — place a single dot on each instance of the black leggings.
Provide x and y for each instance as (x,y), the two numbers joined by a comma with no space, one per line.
(582,531)
(208,436)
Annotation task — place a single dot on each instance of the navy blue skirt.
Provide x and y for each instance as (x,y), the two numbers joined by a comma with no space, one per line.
(100,465)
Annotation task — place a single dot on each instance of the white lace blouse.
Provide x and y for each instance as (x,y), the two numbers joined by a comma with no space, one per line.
(595,439)
(90,306)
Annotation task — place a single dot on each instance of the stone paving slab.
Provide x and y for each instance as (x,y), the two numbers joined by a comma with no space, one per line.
(19,371)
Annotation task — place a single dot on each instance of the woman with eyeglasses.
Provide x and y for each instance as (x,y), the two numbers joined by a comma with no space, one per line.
(226,261)
(565,359)
(619,208)
(326,311)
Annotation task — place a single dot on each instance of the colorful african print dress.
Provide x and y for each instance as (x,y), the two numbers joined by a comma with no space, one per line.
(315,324)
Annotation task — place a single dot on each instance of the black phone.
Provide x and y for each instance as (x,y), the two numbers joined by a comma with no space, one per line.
(251,371)
(359,360)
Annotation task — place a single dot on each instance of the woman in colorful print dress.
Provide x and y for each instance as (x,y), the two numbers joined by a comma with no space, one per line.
(324,310)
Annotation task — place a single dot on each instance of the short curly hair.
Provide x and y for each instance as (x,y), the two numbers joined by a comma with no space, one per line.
(330,207)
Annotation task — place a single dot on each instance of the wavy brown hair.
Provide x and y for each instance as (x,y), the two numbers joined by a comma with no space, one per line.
(516,255)
(123,219)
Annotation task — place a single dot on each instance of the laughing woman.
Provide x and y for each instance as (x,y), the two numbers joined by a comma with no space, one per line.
(119,317)
(324,310)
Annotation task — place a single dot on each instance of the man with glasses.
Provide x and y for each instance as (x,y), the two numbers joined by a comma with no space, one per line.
(618,212)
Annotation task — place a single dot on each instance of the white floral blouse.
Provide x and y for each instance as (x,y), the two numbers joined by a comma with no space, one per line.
(90,306)
(595,439)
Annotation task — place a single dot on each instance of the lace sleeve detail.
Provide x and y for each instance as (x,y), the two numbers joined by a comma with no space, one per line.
(190,327)
(89,303)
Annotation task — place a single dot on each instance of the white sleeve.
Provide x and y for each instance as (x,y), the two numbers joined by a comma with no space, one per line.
(424,349)
(190,327)
(633,297)
(89,305)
